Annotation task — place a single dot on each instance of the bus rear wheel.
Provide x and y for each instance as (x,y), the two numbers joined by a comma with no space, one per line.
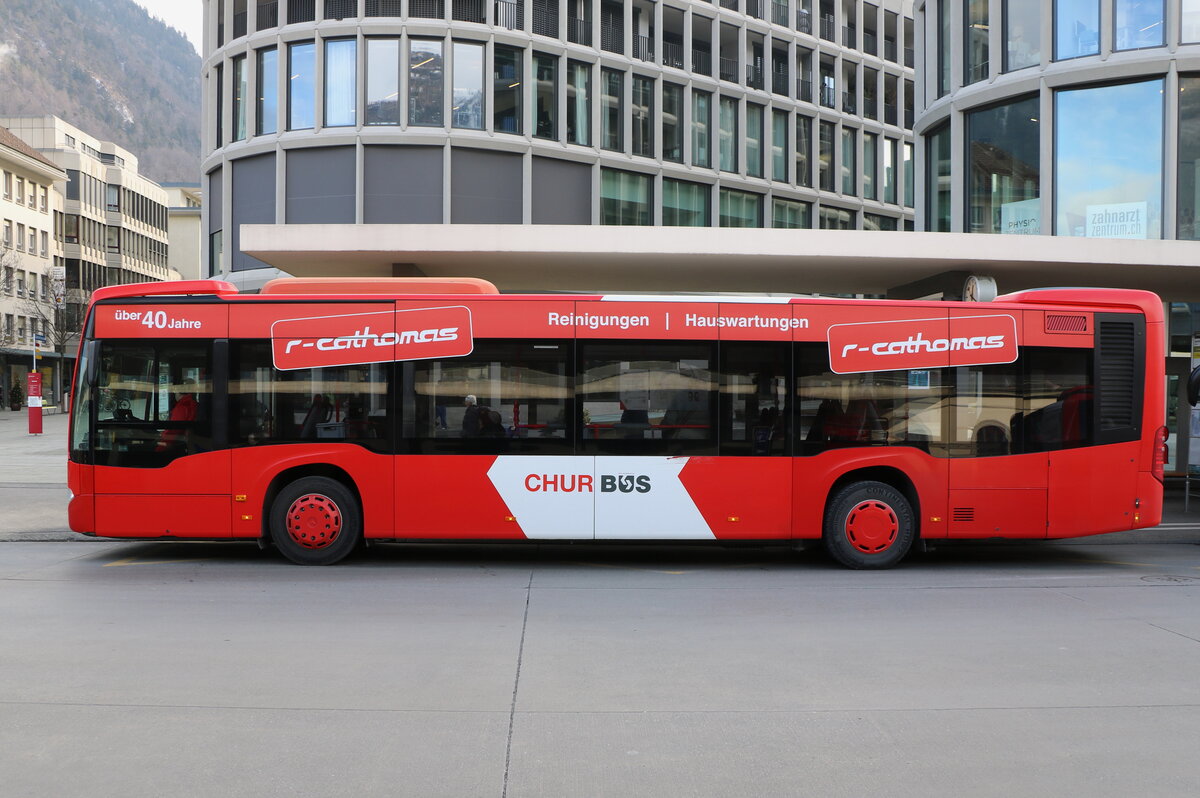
(868,525)
(315,521)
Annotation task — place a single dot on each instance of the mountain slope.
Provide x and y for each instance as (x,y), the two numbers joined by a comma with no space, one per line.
(111,70)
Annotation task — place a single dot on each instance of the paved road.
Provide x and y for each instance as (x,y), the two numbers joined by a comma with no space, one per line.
(217,670)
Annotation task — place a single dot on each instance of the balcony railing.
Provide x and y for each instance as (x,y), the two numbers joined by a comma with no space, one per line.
(701,61)
(579,31)
(301,11)
(803,20)
(908,57)
(384,8)
(267,15)
(889,49)
(508,14)
(977,72)
(828,28)
(871,107)
(849,36)
(612,38)
(829,96)
(239,25)
(803,90)
(545,21)
(779,81)
(779,12)
(729,69)
(849,103)
(341,9)
(889,114)
(870,43)
(468,11)
(732,5)
(909,118)
(754,76)
(754,8)
(672,55)
(643,48)
(427,9)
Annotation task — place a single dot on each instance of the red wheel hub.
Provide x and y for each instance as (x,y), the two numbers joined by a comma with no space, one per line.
(872,526)
(314,521)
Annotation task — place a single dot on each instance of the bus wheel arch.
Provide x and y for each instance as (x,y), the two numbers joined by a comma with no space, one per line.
(870,518)
(313,514)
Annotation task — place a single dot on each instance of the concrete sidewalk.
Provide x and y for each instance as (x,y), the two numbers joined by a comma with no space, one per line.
(33,490)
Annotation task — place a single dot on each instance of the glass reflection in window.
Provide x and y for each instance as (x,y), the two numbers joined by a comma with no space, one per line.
(754,140)
(1003,171)
(825,156)
(803,151)
(1022,31)
(937,180)
(672,122)
(425,82)
(1138,23)
(546,73)
(779,145)
(624,198)
(727,134)
(643,132)
(1076,28)
(1108,173)
(740,209)
(1190,21)
(239,98)
(701,130)
(340,91)
(611,120)
(268,91)
(791,214)
(684,204)
(468,86)
(383,81)
(301,85)
(579,109)
(1189,157)
(849,156)
(976,45)
(506,88)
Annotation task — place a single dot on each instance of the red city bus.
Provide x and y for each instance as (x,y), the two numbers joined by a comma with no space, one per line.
(319,413)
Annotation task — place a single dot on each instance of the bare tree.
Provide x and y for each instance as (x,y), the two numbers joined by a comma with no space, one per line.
(60,313)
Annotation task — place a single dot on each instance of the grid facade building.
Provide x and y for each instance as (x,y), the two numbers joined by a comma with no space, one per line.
(736,113)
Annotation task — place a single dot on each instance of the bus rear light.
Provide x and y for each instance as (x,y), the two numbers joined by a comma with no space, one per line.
(1162,453)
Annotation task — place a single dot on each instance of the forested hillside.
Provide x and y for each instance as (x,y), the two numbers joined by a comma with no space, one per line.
(108,68)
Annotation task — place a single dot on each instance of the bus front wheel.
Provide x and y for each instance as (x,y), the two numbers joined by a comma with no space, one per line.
(868,525)
(315,521)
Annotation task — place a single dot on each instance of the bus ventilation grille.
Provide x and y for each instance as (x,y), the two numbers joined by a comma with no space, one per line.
(1061,323)
(963,514)
(1116,366)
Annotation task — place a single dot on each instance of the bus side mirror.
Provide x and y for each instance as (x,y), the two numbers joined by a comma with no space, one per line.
(1193,387)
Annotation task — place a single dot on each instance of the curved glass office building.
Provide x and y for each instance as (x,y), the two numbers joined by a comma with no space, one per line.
(734,113)
(1060,117)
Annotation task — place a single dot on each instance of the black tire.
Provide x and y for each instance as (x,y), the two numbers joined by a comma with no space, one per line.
(315,521)
(868,525)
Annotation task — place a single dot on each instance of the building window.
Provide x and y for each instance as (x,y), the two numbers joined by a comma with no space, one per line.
(468,86)
(507,67)
(45,199)
(112,197)
(1076,28)
(870,170)
(1108,173)
(942,53)
(20,238)
(1189,157)
(8,185)
(837,219)
(239,99)
(1190,21)
(791,214)
(425,83)
(740,209)
(890,154)
(20,191)
(341,70)
(643,116)
(1022,28)
(909,176)
(267,102)
(727,134)
(874,221)
(685,204)
(579,109)
(849,156)
(301,89)
(701,128)
(672,123)
(612,84)
(624,198)
(214,253)
(754,140)
(779,145)
(1003,169)
(546,73)
(1138,23)
(825,155)
(975,44)
(937,180)
(383,82)
(803,151)
(45,249)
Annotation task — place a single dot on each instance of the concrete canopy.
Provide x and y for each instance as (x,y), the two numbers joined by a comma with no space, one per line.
(695,259)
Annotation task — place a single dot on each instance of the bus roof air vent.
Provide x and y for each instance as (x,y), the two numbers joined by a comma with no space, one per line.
(384,285)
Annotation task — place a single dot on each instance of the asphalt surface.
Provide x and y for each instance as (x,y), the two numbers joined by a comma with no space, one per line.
(149,669)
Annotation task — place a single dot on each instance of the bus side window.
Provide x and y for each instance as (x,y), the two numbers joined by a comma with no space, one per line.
(1059,406)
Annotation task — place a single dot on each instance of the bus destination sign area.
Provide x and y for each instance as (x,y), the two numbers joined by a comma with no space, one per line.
(352,339)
